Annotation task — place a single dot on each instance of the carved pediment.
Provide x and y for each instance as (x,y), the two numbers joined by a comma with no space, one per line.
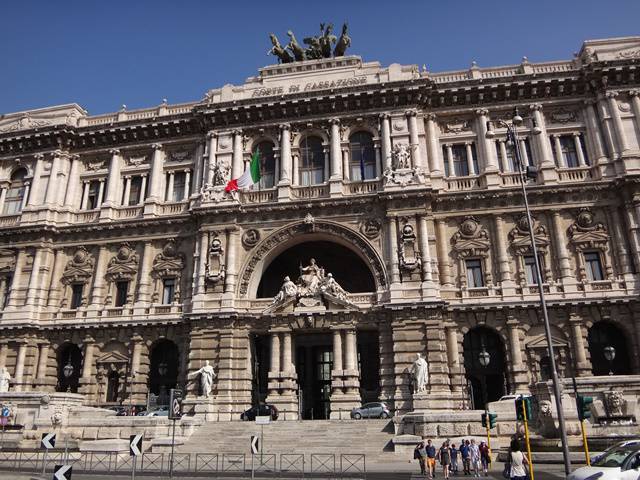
(610,49)
(586,233)
(540,342)
(520,239)
(169,263)
(124,266)
(79,269)
(112,357)
(471,239)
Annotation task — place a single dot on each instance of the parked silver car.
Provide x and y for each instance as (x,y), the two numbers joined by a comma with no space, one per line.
(371,410)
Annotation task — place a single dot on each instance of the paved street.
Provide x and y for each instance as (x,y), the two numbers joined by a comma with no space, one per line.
(542,472)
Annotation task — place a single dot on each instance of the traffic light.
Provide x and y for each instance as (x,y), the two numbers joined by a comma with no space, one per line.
(527,407)
(484,420)
(583,407)
(493,420)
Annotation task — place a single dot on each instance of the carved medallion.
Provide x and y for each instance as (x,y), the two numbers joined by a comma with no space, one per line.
(250,238)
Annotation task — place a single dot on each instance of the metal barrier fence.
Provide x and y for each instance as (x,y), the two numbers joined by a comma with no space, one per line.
(317,463)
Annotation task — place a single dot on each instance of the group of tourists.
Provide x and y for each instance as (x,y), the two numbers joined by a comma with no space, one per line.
(475,459)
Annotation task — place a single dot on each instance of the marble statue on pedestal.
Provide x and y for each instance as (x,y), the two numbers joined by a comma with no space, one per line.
(4,379)
(207,374)
(420,374)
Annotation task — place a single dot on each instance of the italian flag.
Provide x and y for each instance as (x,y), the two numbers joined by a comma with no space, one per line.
(250,177)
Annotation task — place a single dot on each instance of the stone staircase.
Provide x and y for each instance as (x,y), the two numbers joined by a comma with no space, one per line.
(371,437)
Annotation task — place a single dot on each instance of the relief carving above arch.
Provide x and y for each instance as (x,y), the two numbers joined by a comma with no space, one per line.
(291,231)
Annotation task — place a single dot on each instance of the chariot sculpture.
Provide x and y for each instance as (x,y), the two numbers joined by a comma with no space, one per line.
(325,45)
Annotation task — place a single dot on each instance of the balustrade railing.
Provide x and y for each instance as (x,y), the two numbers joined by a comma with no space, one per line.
(463,183)
(360,188)
(9,220)
(260,196)
(87,216)
(174,208)
(510,179)
(312,191)
(578,174)
(129,212)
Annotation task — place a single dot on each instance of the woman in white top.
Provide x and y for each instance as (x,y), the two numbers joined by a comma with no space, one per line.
(517,461)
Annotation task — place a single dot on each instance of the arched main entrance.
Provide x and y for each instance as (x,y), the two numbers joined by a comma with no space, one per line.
(476,341)
(347,268)
(601,336)
(69,365)
(163,369)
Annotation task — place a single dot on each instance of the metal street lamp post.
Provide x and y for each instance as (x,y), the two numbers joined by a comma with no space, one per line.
(527,172)
(610,355)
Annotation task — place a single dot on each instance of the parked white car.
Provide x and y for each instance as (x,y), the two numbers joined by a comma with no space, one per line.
(620,462)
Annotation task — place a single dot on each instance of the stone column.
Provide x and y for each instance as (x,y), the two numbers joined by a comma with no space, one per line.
(237,163)
(100,192)
(3,290)
(43,358)
(630,212)
(113,181)
(425,253)
(558,149)
(274,365)
(34,279)
(143,190)
(346,173)
(523,150)
(414,139)
(470,163)
(442,247)
(86,379)
(210,161)
(144,280)
(52,185)
(19,371)
(72,183)
(156,172)
(350,350)
(56,277)
(593,130)
(187,184)
(286,365)
(27,189)
(560,241)
(337,352)
(502,146)
(392,237)
(578,145)
(200,169)
(4,351)
(385,140)
(582,365)
(489,160)
(127,190)
(36,181)
(504,265)
(201,262)
(285,155)
(433,147)
(618,126)
(170,196)
(622,252)
(85,195)
(231,271)
(452,168)
(138,385)
(97,292)
(12,301)
(336,155)
(546,164)
(453,358)
(518,369)
(3,196)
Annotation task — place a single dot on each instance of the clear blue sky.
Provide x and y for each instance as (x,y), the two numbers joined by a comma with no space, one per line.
(102,54)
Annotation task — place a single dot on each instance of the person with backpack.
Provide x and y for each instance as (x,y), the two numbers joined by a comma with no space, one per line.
(464,453)
(485,458)
(515,468)
(420,454)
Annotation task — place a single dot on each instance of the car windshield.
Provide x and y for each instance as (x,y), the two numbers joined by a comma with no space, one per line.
(615,457)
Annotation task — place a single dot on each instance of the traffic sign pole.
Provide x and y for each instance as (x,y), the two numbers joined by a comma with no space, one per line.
(585,443)
(133,468)
(526,436)
(173,441)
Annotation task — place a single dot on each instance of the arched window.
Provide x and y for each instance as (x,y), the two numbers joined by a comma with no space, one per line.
(15,195)
(362,163)
(267,164)
(604,335)
(311,161)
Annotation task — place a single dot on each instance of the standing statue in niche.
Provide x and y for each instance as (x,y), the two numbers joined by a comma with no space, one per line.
(4,379)
(420,374)
(207,374)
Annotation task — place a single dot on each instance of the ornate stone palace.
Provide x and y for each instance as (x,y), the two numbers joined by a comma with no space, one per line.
(123,258)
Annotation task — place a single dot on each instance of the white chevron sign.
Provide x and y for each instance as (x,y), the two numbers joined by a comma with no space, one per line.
(135,445)
(62,472)
(48,440)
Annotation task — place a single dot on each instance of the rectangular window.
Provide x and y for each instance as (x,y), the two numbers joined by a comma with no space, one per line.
(447,173)
(474,273)
(593,266)
(13,200)
(135,191)
(530,270)
(179,185)
(507,164)
(568,146)
(122,288)
(168,290)
(76,295)
(94,192)
(460,160)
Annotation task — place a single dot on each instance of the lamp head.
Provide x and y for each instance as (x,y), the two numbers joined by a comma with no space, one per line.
(484,358)
(609,353)
(517,119)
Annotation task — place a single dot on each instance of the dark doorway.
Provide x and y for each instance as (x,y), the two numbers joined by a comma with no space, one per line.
(69,365)
(163,369)
(314,361)
(113,386)
(351,272)
(493,375)
(260,354)
(601,336)
(369,365)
